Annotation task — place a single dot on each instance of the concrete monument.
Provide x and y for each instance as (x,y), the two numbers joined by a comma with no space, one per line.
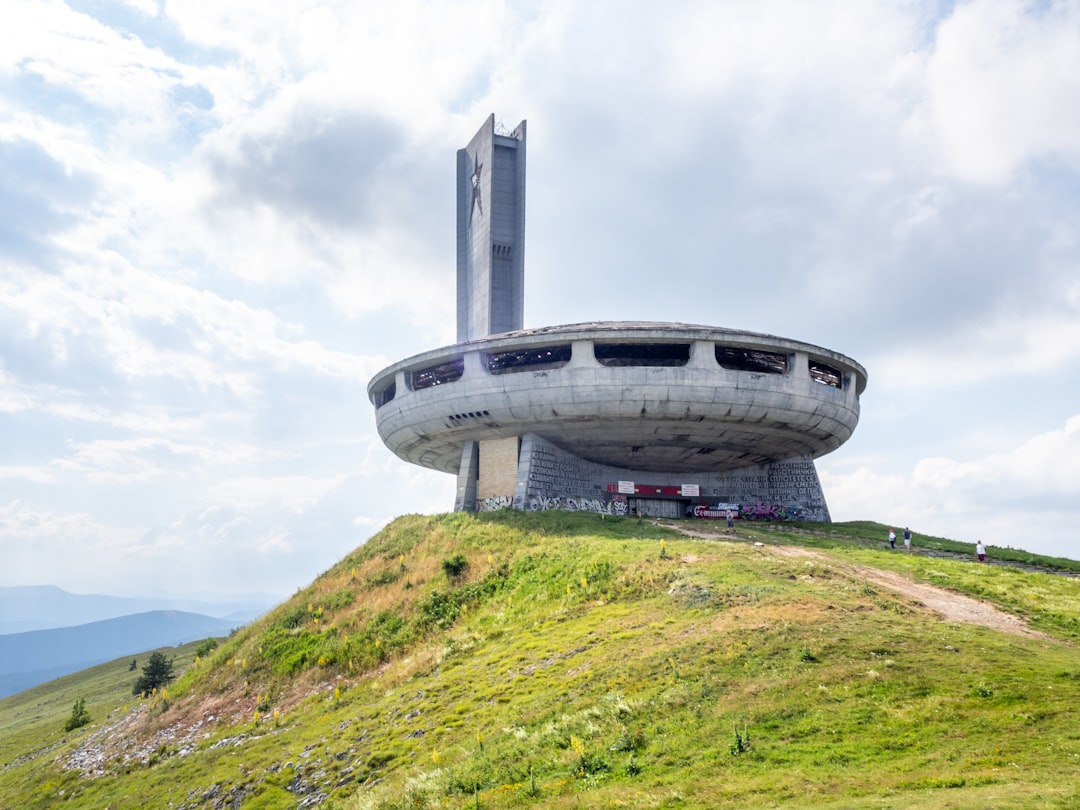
(661,419)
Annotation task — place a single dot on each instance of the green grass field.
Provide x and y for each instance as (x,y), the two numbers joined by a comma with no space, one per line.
(576,662)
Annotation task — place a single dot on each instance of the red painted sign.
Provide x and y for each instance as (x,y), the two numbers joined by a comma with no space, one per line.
(647,490)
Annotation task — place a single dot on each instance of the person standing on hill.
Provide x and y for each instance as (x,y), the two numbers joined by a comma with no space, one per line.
(892,539)
(907,539)
(980,550)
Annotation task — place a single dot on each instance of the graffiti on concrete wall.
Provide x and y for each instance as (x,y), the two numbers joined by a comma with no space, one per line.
(541,503)
(495,504)
(764,511)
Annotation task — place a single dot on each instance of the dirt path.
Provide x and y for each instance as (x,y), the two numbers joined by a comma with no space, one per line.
(953,607)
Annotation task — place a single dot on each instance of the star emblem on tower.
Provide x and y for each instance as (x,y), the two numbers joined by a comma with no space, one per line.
(477,201)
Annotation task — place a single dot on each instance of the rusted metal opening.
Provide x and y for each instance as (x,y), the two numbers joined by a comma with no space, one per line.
(642,354)
(447,372)
(751,360)
(529,359)
(826,375)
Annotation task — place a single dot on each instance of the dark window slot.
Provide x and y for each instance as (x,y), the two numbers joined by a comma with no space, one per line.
(384,395)
(441,374)
(642,354)
(826,375)
(751,360)
(528,359)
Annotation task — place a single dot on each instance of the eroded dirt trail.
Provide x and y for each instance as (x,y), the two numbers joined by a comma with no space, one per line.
(951,606)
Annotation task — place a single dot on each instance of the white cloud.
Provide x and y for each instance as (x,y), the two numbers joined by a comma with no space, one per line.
(1014,343)
(1003,81)
(74,53)
(290,493)
(147,7)
(149,457)
(41,546)
(35,474)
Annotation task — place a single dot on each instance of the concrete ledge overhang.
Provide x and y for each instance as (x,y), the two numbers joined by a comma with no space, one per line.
(694,418)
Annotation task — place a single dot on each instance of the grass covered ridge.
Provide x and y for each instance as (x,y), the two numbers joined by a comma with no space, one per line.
(579,662)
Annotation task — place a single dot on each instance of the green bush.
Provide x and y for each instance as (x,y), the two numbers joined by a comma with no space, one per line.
(338,600)
(455,567)
(291,618)
(206,646)
(79,716)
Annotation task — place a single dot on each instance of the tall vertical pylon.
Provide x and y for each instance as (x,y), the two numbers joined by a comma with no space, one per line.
(491,233)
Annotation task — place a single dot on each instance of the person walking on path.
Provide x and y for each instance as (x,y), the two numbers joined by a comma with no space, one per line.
(980,550)
(892,539)
(907,539)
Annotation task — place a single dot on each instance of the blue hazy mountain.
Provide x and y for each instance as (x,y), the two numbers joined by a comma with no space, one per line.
(27,659)
(40,607)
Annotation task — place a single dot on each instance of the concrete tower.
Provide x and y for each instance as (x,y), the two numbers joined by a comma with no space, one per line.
(491,233)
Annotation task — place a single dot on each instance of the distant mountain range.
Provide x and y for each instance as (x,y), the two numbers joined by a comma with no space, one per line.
(27,659)
(40,607)
(46,632)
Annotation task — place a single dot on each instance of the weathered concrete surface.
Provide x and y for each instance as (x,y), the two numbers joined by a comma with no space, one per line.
(550,478)
(491,232)
(669,411)
(696,418)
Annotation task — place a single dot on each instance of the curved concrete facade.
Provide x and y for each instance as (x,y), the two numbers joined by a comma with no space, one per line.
(684,416)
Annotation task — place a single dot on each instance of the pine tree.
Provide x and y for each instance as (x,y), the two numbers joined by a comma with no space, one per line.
(79,716)
(156,672)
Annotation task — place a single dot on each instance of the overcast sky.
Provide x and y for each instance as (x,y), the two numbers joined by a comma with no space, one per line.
(219,219)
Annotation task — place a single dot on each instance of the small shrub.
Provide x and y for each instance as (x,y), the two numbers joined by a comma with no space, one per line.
(206,646)
(290,619)
(385,576)
(441,609)
(79,716)
(455,567)
(339,599)
(807,657)
(630,740)
(741,743)
(589,763)
(533,790)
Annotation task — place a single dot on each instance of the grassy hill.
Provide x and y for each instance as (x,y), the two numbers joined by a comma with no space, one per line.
(509,660)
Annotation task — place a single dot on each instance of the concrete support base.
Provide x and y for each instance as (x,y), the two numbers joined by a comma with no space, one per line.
(468,477)
(551,478)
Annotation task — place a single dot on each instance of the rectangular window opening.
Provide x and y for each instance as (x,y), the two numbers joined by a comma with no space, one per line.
(735,359)
(826,375)
(528,359)
(384,395)
(447,372)
(642,354)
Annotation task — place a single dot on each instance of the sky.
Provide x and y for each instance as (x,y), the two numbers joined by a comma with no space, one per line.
(218,220)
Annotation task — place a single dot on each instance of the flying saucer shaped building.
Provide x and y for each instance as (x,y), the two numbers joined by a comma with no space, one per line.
(661,419)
